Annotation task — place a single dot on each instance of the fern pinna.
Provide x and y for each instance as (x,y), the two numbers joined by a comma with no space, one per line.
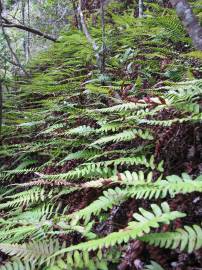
(94,163)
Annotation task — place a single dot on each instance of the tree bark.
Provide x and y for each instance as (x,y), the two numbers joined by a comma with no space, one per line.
(103,52)
(87,34)
(189,21)
(1,104)
(140,8)
(28,33)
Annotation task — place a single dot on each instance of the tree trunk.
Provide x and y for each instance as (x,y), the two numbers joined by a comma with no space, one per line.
(1,104)
(103,52)
(189,21)
(23,22)
(28,33)
(140,8)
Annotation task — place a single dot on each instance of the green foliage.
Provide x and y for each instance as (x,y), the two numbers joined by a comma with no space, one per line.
(188,238)
(153,266)
(75,151)
(142,224)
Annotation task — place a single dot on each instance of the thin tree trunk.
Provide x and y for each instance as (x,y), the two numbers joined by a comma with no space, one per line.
(1,105)
(28,33)
(140,8)
(23,22)
(87,34)
(13,53)
(77,21)
(189,21)
(103,38)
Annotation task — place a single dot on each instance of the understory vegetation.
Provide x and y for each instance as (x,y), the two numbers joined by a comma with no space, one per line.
(102,170)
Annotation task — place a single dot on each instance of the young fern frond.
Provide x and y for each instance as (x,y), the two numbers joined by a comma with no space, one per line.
(81,130)
(141,188)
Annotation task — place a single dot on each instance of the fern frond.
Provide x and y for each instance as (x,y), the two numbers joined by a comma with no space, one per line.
(123,107)
(126,135)
(187,238)
(153,266)
(87,171)
(83,154)
(81,130)
(143,224)
(17,264)
(141,187)
(26,197)
(111,197)
(167,123)
(37,252)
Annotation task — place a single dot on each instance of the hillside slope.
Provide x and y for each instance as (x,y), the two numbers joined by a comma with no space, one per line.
(103,170)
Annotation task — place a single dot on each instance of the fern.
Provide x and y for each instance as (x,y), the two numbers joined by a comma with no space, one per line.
(37,252)
(153,266)
(123,107)
(111,197)
(126,135)
(187,238)
(140,187)
(25,197)
(17,264)
(143,224)
(73,148)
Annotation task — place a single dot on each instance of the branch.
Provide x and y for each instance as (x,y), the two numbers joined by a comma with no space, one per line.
(9,24)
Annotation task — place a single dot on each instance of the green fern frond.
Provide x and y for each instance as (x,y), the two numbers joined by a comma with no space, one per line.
(81,130)
(110,198)
(87,171)
(26,197)
(17,264)
(167,123)
(126,135)
(37,252)
(123,107)
(187,238)
(141,187)
(153,266)
(83,154)
(143,224)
